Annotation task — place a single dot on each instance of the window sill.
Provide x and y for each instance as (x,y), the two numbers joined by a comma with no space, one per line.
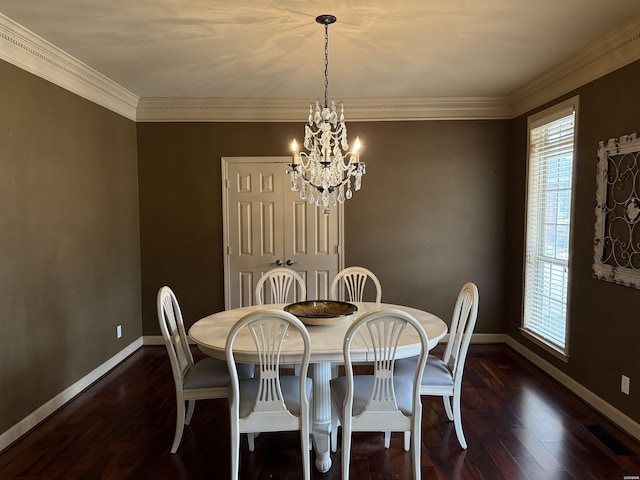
(552,349)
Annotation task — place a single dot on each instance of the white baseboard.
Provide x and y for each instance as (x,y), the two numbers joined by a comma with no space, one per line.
(613,414)
(153,340)
(45,410)
(481,338)
(489,338)
(158,340)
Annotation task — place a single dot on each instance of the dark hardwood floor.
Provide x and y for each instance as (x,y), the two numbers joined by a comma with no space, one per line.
(519,424)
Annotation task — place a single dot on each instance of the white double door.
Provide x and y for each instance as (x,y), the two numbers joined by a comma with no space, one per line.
(268,225)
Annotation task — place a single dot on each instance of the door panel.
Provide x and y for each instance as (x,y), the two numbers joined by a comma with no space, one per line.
(265,222)
(312,243)
(255,236)
(298,226)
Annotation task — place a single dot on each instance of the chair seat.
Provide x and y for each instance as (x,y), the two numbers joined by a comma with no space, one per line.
(363,384)
(436,372)
(289,384)
(213,373)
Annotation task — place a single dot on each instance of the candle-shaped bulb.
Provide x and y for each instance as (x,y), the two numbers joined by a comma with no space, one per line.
(294,149)
(356,150)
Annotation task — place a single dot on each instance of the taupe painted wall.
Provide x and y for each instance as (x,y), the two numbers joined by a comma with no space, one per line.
(442,203)
(69,240)
(604,317)
(429,217)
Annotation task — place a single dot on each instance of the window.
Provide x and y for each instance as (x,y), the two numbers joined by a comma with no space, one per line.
(548,225)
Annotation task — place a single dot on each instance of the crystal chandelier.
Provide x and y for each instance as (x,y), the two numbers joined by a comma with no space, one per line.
(323,174)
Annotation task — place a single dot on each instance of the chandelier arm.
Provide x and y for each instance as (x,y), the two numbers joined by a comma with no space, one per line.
(320,188)
(346,160)
(351,168)
(302,156)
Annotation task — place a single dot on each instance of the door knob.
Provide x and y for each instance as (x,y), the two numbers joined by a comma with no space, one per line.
(277,263)
(290,263)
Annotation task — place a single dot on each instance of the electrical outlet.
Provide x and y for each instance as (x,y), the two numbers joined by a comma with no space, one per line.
(625,384)
(119,331)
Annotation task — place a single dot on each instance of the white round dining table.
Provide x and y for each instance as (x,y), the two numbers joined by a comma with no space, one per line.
(210,334)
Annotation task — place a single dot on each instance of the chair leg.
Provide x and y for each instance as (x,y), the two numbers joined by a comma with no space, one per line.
(191,406)
(251,440)
(457,419)
(310,419)
(235,451)
(346,449)
(334,429)
(407,440)
(179,425)
(446,399)
(415,449)
(306,455)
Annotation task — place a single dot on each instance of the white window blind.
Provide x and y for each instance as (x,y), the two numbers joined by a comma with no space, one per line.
(551,154)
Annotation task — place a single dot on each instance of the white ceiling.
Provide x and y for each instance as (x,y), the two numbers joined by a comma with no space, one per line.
(274,48)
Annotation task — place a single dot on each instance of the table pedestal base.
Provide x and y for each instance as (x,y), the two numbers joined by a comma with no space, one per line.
(321,428)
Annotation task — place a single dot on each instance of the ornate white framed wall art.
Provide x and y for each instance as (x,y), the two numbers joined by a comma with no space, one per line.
(617,227)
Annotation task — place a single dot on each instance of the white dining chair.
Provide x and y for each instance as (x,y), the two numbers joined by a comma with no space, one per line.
(269,402)
(381,401)
(355,280)
(443,376)
(207,379)
(280,280)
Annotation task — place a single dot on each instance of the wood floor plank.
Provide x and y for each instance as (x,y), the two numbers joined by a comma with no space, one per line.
(519,424)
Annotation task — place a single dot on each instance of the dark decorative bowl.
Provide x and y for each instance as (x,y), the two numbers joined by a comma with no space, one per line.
(321,312)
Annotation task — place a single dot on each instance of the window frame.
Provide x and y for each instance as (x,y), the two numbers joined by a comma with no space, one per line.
(542,118)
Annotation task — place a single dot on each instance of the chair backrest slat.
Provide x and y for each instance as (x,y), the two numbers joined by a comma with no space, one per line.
(269,330)
(280,281)
(463,324)
(384,331)
(174,334)
(268,338)
(385,334)
(355,280)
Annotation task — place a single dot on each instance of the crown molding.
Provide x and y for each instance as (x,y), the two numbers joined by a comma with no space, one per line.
(296,109)
(25,49)
(30,52)
(615,50)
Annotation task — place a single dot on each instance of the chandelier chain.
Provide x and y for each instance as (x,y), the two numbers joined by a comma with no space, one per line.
(326,65)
